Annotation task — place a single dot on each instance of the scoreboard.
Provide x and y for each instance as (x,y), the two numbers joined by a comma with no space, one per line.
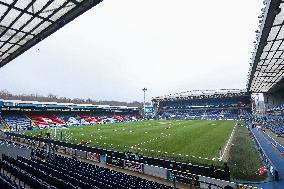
(148,109)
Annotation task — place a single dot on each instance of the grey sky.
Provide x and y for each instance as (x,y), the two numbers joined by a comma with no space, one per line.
(120,46)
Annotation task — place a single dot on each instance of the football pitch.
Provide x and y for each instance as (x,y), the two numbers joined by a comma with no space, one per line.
(195,141)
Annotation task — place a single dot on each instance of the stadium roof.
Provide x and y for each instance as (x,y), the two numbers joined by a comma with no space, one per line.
(267,70)
(17,103)
(24,23)
(203,94)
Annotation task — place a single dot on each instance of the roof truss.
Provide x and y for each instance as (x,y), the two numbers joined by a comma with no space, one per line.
(23,24)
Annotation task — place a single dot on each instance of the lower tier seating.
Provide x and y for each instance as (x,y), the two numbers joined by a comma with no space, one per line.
(62,172)
(70,118)
(16,120)
(45,119)
(120,118)
(7,183)
(205,114)
(90,118)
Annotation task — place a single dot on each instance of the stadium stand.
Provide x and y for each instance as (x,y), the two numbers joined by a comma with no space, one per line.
(266,79)
(16,120)
(44,119)
(117,158)
(213,114)
(7,183)
(70,118)
(204,114)
(48,173)
(208,105)
(279,107)
(273,122)
(231,114)
(120,118)
(266,76)
(22,115)
(90,118)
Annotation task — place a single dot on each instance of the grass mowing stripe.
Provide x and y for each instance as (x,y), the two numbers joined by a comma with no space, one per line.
(200,138)
(193,138)
(197,141)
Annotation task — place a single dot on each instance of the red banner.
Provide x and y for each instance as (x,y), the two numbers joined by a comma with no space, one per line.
(93,157)
(133,166)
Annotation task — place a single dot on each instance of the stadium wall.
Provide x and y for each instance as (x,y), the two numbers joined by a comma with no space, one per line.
(13,150)
(155,171)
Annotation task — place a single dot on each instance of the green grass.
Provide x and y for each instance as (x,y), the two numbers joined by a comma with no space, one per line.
(184,141)
(244,160)
(195,141)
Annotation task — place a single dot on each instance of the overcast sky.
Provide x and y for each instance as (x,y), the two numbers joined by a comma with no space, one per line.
(121,46)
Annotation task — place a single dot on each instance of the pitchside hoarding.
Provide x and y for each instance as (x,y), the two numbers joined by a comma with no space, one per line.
(133,166)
